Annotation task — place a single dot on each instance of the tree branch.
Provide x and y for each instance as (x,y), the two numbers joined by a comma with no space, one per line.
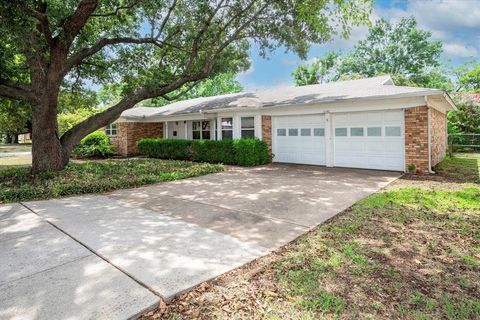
(77,21)
(75,134)
(42,18)
(13,90)
(117,10)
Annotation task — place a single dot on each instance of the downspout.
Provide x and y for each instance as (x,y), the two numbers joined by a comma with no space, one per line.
(429,138)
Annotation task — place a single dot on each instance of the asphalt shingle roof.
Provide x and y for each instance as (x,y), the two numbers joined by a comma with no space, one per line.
(369,88)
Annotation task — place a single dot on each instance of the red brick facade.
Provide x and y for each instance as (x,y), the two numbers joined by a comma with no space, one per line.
(267,131)
(130,132)
(416,138)
(438,136)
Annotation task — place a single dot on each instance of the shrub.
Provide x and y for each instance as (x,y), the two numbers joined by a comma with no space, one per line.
(243,152)
(95,145)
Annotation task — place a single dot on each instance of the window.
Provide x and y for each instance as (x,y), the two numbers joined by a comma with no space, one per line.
(248,127)
(111,129)
(293,132)
(393,131)
(281,132)
(318,132)
(227,128)
(374,131)
(201,130)
(305,132)
(356,132)
(341,132)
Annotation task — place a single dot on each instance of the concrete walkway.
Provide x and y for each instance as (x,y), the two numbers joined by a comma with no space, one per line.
(113,256)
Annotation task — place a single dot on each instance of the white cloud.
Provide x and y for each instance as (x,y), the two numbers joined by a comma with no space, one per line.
(454,22)
(247,72)
(459,50)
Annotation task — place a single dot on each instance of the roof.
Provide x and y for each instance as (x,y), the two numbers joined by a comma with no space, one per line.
(369,88)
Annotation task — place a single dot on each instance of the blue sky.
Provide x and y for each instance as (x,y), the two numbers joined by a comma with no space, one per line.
(454,22)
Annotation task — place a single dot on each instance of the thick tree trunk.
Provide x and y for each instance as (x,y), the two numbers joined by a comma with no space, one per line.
(47,151)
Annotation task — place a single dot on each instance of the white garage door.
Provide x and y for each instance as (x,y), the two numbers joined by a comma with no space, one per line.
(299,139)
(372,140)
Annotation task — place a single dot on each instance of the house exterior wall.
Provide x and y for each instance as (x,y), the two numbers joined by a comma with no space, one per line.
(416,139)
(130,132)
(438,135)
(267,131)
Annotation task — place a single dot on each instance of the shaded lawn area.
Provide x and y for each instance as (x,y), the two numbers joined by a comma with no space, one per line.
(463,167)
(17,183)
(411,251)
(15,161)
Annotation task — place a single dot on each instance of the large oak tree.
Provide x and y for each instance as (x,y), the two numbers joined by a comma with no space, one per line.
(152,47)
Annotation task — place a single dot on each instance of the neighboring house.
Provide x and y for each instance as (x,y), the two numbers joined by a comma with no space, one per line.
(367,123)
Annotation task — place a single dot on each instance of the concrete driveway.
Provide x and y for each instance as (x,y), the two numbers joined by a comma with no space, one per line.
(113,256)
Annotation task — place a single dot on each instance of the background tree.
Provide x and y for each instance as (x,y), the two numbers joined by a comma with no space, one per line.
(401,50)
(321,70)
(14,119)
(396,49)
(221,84)
(153,47)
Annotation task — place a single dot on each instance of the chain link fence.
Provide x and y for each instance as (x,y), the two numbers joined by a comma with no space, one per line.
(463,142)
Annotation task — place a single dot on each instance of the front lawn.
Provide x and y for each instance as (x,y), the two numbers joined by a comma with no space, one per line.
(411,251)
(17,184)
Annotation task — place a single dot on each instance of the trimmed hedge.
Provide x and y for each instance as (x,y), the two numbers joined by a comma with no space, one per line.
(242,152)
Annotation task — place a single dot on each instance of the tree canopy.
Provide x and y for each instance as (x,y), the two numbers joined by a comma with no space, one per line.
(153,47)
(402,50)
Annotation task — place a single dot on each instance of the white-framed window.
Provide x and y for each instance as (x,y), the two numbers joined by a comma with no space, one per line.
(111,129)
(201,130)
(227,128)
(374,131)
(356,132)
(393,131)
(247,127)
(340,132)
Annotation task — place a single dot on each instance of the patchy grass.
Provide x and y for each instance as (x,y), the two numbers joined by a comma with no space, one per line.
(15,161)
(17,184)
(15,148)
(411,251)
(461,168)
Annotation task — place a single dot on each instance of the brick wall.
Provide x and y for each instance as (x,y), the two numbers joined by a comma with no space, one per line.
(129,133)
(416,139)
(438,135)
(267,131)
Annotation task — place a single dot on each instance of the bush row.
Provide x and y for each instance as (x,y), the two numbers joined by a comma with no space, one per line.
(242,152)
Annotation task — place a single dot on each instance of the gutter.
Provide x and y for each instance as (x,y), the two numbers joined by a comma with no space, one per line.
(429,139)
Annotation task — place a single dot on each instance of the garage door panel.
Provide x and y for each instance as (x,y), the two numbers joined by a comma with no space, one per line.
(307,148)
(373,149)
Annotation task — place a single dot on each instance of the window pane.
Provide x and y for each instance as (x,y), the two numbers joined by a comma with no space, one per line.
(205,125)
(293,132)
(281,132)
(356,132)
(374,131)
(341,132)
(305,132)
(318,132)
(227,134)
(206,135)
(248,122)
(196,135)
(393,131)
(196,125)
(227,123)
(113,126)
(248,133)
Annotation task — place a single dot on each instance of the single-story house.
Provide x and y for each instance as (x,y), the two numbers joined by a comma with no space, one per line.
(367,123)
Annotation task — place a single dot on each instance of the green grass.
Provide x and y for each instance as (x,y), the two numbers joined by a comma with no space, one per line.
(17,183)
(464,167)
(15,161)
